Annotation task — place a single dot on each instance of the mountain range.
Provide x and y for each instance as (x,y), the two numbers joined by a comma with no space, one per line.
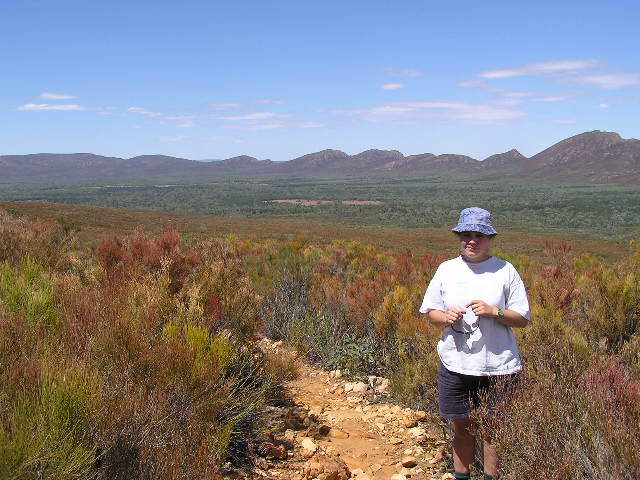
(590,157)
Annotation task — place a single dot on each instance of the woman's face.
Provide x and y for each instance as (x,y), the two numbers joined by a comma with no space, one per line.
(475,247)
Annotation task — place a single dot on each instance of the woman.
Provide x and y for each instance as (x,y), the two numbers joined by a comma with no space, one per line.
(476,299)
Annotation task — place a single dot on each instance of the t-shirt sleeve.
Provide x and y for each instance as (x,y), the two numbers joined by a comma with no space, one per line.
(433,296)
(516,295)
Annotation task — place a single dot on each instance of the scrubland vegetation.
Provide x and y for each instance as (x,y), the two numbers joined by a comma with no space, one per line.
(594,210)
(134,358)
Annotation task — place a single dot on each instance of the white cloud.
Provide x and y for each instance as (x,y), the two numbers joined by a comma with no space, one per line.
(412,112)
(144,111)
(475,83)
(604,105)
(271,101)
(572,72)
(508,102)
(237,140)
(311,125)
(256,116)
(183,121)
(539,69)
(257,126)
(552,98)
(225,106)
(46,106)
(392,86)
(610,80)
(56,96)
(403,72)
(179,118)
(518,94)
(390,110)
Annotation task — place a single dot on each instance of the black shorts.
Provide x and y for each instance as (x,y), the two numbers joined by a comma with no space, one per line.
(459,394)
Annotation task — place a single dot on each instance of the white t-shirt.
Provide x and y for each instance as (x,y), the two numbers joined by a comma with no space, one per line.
(477,346)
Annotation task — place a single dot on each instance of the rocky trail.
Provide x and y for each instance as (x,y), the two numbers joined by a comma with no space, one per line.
(336,430)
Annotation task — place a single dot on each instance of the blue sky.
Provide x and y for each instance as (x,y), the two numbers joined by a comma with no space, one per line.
(278,79)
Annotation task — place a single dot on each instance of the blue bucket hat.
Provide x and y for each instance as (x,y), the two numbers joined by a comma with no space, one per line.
(475,219)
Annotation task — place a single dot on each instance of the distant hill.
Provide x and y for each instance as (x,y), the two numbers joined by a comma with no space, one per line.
(592,157)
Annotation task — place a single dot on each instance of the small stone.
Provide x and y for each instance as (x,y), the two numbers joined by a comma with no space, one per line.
(380,426)
(396,409)
(289,434)
(337,433)
(362,476)
(421,415)
(397,476)
(375,467)
(417,431)
(348,387)
(447,476)
(324,430)
(410,422)
(395,441)
(269,450)
(407,472)
(360,387)
(324,467)
(308,444)
(357,471)
(408,451)
(409,461)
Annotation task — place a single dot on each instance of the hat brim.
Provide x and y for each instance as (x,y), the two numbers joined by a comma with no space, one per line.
(474,227)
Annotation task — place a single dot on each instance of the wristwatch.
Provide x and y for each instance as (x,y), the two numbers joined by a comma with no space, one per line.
(500,312)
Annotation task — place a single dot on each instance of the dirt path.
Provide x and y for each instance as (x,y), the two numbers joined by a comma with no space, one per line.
(335,421)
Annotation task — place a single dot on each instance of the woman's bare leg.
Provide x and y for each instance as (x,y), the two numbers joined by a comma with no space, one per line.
(464,444)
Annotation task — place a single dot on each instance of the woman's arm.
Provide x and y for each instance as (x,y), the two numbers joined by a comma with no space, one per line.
(510,318)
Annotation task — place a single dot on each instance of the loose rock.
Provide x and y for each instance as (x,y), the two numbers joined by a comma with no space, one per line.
(325,467)
(309,445)
(409,461)
(360,387)
(337,433)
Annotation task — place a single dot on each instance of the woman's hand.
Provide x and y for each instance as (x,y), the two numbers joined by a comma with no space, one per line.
(483,309)
(445,319)
(453,315)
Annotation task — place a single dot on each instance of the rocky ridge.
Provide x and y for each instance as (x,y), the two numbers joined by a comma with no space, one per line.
(592,157)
